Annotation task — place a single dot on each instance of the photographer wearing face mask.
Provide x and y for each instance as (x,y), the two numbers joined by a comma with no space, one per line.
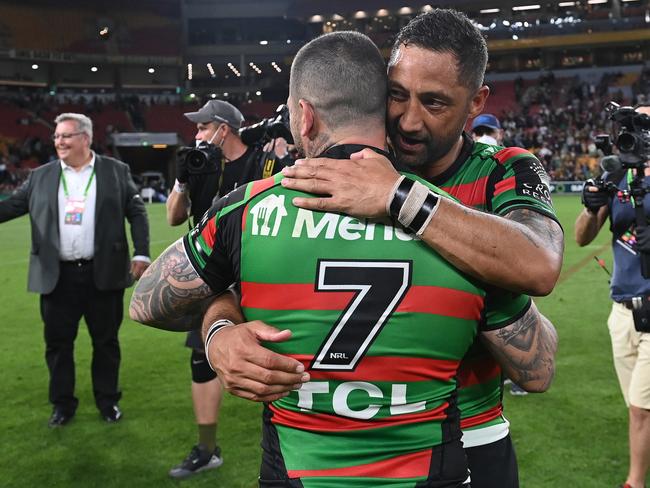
(218,164)
(630,291)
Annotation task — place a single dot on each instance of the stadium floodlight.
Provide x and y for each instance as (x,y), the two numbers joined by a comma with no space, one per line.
(225,94)
(596,2)
(190,71)
(34,66)
(258,93)
(515,37)
(566,4)
(263,43)
(211,70)
(152,70)
(213,95)
(490,11)
(521,8)
(94,69)
(506,23)
(288,41)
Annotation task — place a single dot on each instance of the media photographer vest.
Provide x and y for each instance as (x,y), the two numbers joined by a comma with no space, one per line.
(627,281)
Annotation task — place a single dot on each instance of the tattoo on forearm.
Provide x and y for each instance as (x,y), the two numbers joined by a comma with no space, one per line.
(521,334)
(170,292)
(543,231)
(526,349)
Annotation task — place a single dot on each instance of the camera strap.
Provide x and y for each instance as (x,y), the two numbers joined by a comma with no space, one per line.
(222,170)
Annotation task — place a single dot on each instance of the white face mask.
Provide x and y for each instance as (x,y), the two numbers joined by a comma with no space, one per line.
(486,139)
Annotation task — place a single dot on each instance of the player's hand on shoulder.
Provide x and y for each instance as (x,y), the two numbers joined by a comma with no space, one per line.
(344,185)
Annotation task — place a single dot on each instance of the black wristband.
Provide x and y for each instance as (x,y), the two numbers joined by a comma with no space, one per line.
(399,197)
(424,212)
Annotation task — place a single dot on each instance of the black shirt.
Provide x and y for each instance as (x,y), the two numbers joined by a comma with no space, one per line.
(254,164)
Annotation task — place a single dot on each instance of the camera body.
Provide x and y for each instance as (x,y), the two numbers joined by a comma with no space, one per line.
(202,159)
(268,129)
(632,140)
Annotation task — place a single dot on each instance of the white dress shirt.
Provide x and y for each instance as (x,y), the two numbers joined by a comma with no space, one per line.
(77,241)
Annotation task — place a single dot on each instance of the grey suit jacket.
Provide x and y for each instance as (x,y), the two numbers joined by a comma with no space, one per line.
(117,198)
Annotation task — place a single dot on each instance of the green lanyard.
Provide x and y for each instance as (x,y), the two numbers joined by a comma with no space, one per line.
(630,177)
(65,185)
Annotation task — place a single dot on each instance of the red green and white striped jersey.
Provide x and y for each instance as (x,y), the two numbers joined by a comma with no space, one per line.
(497,180)
(380,321)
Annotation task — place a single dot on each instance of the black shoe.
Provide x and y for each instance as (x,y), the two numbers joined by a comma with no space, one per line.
(59,418)
(112,414)
(199,459)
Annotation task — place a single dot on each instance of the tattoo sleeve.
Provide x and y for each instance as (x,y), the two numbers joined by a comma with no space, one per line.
(541,230)
(170,295)
(526,350)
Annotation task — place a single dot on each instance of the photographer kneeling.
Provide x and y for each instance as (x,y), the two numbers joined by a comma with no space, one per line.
(630,290)
(220,163)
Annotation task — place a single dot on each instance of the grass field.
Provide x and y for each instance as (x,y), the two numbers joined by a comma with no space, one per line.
(574,435)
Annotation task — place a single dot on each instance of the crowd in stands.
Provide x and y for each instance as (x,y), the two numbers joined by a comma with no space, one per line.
(558,120)
(555,117)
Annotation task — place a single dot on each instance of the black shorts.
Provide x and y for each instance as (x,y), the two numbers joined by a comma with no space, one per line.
(194,340)
(493,465)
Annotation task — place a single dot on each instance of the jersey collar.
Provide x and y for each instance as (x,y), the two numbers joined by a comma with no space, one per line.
(465,153)
(344,151)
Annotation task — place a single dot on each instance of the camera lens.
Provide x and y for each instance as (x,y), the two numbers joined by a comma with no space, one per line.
(626,142)
(196,160)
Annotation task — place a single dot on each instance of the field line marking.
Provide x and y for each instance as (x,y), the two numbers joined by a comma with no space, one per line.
(565,275)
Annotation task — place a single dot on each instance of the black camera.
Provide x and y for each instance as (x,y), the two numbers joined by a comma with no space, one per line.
(632,140)
(203,159)
(268,129)
(633,143)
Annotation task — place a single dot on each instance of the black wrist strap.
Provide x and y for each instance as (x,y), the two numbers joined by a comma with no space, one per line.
(399,197)
(426,210)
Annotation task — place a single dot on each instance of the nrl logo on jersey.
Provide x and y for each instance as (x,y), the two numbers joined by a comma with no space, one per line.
(267,216)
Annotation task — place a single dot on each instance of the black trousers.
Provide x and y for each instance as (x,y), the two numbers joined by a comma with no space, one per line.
(76,296)
(493,465)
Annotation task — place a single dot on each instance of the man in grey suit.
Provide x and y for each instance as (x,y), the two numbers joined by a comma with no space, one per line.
(79,260)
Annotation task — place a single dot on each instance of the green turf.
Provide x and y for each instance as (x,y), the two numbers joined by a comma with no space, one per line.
(573,435)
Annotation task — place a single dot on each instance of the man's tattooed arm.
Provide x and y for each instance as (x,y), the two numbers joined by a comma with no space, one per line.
(170,294)
(540,230)
(526,350)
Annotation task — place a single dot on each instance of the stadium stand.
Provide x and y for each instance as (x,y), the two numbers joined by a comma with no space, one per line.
(551,104)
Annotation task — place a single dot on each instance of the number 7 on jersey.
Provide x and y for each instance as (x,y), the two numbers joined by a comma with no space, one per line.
(379,288)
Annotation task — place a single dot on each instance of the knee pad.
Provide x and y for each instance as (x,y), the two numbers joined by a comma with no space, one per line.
(201,370)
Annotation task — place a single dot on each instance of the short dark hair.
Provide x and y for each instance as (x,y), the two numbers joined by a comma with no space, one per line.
(447,30)
(343,75)
(482,130)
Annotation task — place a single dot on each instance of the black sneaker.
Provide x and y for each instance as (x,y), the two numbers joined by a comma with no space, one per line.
(112,414)
(59,418)
(517,390)
(199,459)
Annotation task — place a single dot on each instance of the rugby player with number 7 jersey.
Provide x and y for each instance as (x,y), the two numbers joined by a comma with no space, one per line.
(380,321)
